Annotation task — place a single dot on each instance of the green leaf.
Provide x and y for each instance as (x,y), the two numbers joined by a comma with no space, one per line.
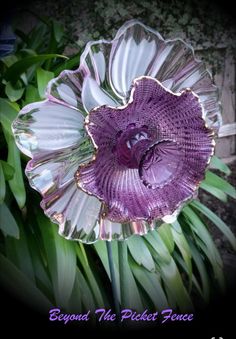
(27,52)
(151,284)
(75,300)
(200,229)
(183,246)
(13,93)
(161,251)
(36,37)
(40,269)
(199,261)
(214,180)
(175,286)
(14,71)
(169,272)
(216,265)
(214,191)
(15,281)
(125,296)
(134,297)
(90,275)
(18,252)
(140,252)
(85,292)
(68,64)
(58,30)
(205,242)
(61,256)
(16,183)
(31,95)
(9,60)
(101,250)
(166,235)
(8,170)
(179,260)
(43,77)
(8,224)
(8,112)
(220,165)
(128,298)
(2,184)
(217,221)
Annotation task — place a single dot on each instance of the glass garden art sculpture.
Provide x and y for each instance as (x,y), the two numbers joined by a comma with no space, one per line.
(124,140)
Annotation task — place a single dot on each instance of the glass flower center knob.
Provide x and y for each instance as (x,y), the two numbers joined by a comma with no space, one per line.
(156,160)
(160,163)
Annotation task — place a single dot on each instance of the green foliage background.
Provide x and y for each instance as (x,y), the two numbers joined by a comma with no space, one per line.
(177,265)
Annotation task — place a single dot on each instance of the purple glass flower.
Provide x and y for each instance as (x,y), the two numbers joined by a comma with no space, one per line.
(124,140)
(151,153)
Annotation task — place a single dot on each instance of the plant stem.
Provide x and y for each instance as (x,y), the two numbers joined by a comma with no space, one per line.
(113,279)
(124,284)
